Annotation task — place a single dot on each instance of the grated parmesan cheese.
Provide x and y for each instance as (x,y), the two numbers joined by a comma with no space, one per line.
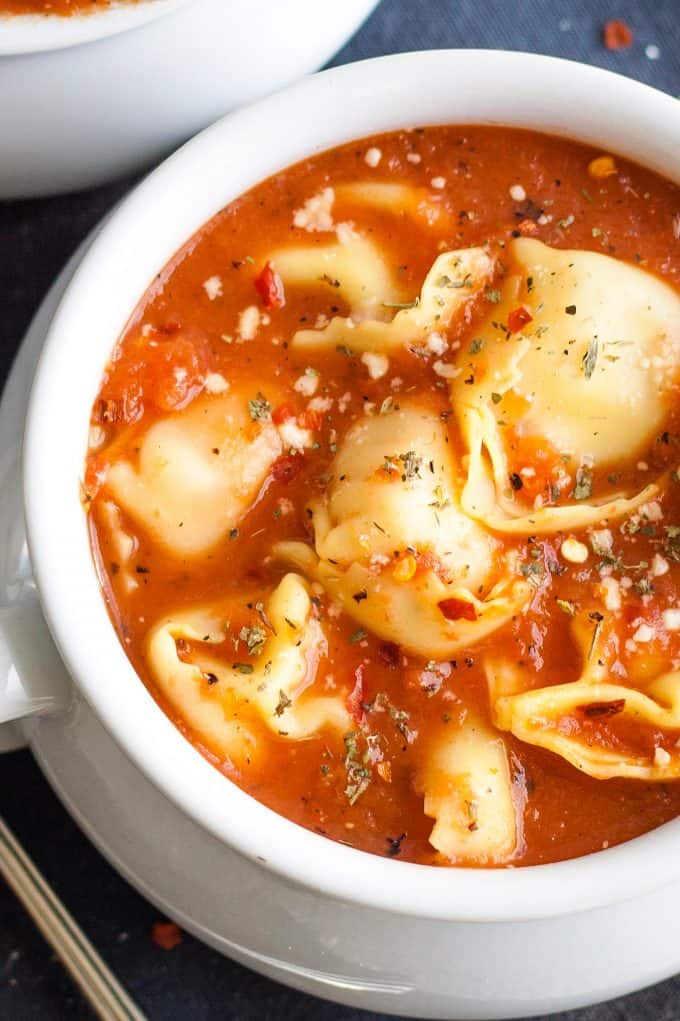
(446,369)
(574,551)
(660,566)
(644,633)
(602,541)
(320,404)
(651,511)
(373,156)
(213,287)
(307,384)
(612,594)
(671,619)
(293,437)
(436,344)
(346,233)
(215,383)
(377,364)
(316,213)
(249,322)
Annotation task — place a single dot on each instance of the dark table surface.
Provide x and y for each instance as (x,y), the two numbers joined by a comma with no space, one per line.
(191,982)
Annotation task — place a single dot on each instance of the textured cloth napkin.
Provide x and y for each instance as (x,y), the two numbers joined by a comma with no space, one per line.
(191,982)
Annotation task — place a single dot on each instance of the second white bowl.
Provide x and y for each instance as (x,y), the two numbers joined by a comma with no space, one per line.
(91,98)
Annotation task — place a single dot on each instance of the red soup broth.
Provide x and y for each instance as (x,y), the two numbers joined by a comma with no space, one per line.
(488,185)
(60,8)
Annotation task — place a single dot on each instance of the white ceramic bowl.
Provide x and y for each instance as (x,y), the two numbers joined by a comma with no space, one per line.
(519,913)
(89,98)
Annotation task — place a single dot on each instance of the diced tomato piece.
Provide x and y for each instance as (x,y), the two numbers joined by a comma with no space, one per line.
(269,286)
(458,609)
(357,696)
(617,35)
(518,318)
(310,420)
(282,413)
(286,468)
(170,328)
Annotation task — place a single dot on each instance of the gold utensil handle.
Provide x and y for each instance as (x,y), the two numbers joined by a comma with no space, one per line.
(98,984)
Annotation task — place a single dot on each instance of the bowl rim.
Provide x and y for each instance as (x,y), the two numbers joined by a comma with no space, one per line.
(23,34)
(193,184)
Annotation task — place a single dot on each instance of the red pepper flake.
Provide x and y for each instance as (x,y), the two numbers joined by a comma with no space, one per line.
(269,286)
(458,609)
(617,35)
(596,709)
(170,328)
(527,228)
(388,652)
(288,467)
(166,935)
(357,696)
(282,413)
(518,318)
(310,420)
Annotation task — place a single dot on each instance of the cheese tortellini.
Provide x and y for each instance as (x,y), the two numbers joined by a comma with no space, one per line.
(453,280)
(468,791)
(555,717)
(394,492)
(225,701)
(587,369)
(196,474)
(399,199)
(355,271)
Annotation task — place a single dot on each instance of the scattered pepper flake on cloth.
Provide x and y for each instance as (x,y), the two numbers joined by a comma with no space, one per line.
(617,35)
(166,935)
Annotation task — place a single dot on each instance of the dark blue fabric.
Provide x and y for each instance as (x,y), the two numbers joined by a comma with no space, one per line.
(193,983)
(572,28)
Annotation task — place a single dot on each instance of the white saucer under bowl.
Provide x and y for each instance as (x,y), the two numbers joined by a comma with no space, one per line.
(336,950)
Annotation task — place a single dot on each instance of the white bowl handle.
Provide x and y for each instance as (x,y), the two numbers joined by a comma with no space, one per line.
(33,679)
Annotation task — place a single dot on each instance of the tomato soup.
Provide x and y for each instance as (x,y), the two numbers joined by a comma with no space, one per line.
(383,490)
(61,8)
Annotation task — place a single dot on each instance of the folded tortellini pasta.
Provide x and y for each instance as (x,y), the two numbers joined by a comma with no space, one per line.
(578,352)
(453,281)
(355,271)
(197,473)
(393,546)
(587,721)
(268,681)
(418,204)
(468,791)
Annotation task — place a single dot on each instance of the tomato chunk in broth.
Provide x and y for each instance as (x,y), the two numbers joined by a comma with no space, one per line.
(383,491)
